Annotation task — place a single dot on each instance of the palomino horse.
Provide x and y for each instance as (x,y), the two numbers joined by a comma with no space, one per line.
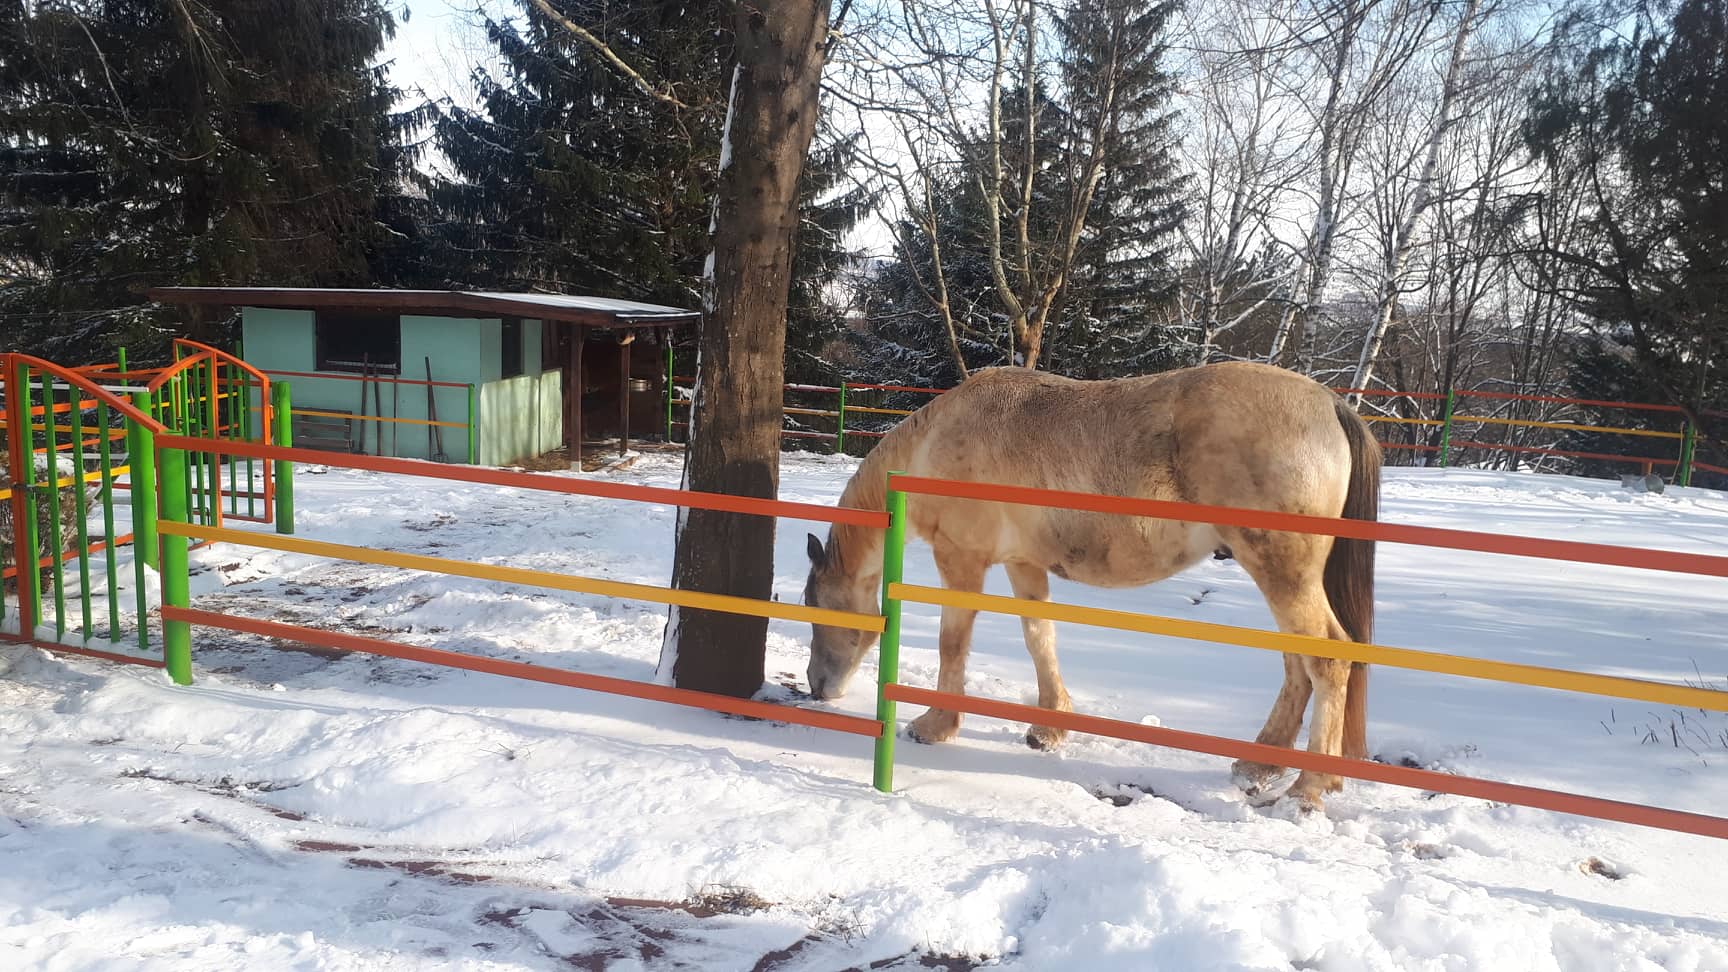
(1232,434)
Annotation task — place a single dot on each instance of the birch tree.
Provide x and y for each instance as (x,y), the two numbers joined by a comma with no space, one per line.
(1397,246)
(1243,147)
(1360,48)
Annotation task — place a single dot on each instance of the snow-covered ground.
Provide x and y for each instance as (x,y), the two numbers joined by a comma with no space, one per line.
(293,810)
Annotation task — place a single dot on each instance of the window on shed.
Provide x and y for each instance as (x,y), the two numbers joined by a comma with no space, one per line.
(352,341)
(512,347)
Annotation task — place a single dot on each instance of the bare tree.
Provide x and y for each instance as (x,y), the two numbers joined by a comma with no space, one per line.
(955,91)
(1361,48)
(1244,148)
(1402,215)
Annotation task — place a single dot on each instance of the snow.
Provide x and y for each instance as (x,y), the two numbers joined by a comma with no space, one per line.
(297,809)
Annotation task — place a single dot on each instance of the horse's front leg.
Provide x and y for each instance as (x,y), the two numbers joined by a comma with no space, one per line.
(1033,584)
(959,573)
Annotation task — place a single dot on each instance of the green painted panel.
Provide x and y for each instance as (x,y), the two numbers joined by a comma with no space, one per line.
(531,345)
(456,345)
(520,417)
(278,340)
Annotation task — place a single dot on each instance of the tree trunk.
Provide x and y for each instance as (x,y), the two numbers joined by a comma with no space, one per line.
(736,420)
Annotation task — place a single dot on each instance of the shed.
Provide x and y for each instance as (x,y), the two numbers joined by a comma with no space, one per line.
(369,368)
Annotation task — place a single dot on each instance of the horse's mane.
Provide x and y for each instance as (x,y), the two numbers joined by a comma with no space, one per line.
(868,490)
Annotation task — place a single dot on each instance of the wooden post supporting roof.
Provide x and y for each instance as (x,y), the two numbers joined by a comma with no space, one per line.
(573,424)
(624,343)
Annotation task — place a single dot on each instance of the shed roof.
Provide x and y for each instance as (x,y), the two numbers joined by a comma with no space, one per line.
(569,308)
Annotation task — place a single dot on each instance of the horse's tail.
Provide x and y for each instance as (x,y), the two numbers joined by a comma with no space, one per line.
(1349,578)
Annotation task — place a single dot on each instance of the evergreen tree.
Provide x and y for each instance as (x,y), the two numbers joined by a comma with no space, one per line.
(569,178)
(905,340)
(1635,123)
(831,206)
(1120,297)
(146,143)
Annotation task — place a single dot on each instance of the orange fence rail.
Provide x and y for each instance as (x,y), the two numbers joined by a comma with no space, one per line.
(814,718)
(1557,801)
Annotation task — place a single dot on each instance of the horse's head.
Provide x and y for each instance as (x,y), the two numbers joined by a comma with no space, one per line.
(835,653)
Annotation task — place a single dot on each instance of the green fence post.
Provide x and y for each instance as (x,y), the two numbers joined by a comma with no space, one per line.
(840,433)
(1688,446)
(282,406)
(176,586)
(1446,428)
(51,494)
(81,533)
(141,456)
(888,667)
(105,456)
(26,539)
(473,431)
(122,359)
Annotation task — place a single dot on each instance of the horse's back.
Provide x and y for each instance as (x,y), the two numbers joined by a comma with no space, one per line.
(1234,434)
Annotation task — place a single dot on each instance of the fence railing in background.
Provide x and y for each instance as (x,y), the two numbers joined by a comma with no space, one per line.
(896,594)
(386,439)
(848,406)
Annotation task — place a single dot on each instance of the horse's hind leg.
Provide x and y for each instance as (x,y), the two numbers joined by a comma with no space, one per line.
(1033,584)
(959,572)
(1282,725)
(1288,569)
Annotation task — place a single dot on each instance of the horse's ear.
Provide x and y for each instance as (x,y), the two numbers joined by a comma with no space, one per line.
(813,547)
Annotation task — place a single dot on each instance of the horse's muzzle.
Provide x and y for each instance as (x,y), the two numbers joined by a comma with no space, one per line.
(826,687)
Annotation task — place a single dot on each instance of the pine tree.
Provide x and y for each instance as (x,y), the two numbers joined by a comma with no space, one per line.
(1634,121)
(569,178)
(831,205)
(905,340)
(146,143)
(1122,291)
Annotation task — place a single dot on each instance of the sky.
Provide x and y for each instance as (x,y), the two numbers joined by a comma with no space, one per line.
(437,45)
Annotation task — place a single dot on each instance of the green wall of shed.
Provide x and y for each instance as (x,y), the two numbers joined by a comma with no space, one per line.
(461,350)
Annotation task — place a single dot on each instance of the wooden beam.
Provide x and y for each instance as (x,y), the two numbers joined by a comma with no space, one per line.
(624,393)
(444,303)
(573,430)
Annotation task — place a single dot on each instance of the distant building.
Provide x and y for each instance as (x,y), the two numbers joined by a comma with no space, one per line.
(543,371)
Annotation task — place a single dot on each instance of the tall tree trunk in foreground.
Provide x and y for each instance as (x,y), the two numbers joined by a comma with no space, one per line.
(736,419)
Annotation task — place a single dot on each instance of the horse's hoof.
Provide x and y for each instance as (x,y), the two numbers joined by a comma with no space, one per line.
(1250,777)
(1044,738)
(1309,791)
(930,731)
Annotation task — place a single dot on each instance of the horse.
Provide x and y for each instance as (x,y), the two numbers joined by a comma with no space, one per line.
(1229,434)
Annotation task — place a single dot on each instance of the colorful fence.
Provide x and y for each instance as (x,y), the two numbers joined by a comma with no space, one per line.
(1454,429)
(68,441)
(897,594)
(178,529)
(96,426)
(54,414)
